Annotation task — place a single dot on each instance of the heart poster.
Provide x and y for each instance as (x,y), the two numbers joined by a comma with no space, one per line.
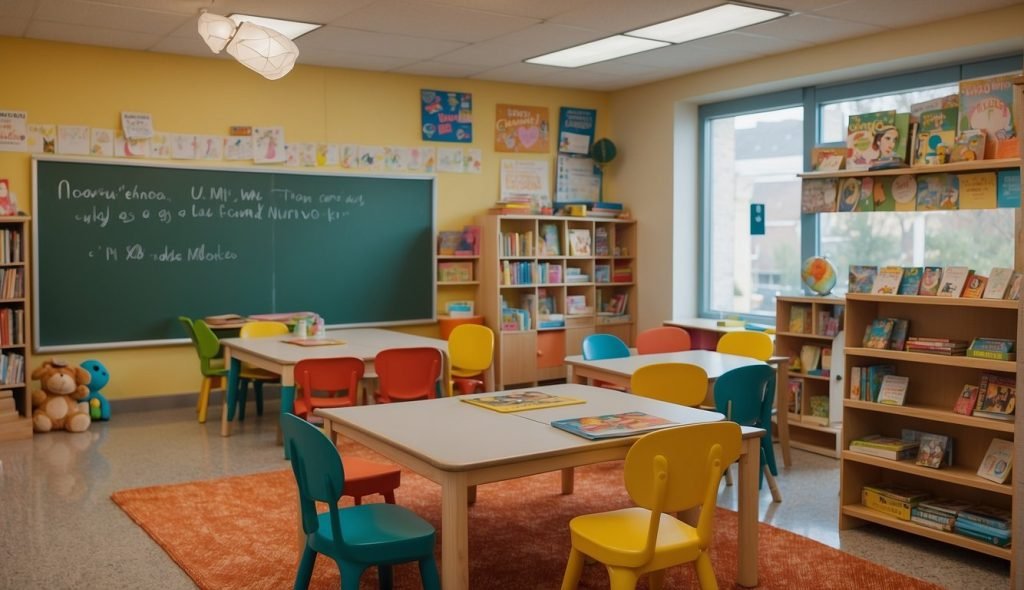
(521,129)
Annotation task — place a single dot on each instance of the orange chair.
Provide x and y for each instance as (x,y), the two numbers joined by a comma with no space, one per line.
(339,377)
(407,374)
(663,339)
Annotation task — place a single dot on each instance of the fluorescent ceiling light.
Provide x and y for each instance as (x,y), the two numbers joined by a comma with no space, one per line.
(595,51)
(727,17)
(289,28)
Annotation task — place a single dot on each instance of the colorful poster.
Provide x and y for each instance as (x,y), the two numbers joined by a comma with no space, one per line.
(576,130)
(446,116)
(526,179)
(521,129)
(73,140)
(13,131)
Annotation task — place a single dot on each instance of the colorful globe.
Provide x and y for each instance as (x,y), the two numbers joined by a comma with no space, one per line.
(818,275)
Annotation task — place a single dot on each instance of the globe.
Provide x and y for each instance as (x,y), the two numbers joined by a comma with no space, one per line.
(603,151)
(818,275)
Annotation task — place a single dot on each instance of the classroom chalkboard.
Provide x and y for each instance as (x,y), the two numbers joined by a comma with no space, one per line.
(121,249)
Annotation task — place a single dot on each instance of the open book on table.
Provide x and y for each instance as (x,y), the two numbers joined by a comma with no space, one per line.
(315,341)
(521,400)
(613,425)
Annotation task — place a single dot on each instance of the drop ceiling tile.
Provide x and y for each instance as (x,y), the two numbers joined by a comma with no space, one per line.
(311,11)
(743,42)
(89,35)
(105,16)
(617,67)
(616,16)
(383,44)
(435,21)
(812,29)
(520,73)
(529,42)
(540,9)
(340,59)
(891,15)
(674,57)
(804,6)
(441,69)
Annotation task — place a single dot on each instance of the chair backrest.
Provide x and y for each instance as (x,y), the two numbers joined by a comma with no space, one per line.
(407,373)
(263,329)
(206,342)
(677,383)
(329,375)
(756,345)
(745,395)
(471,347)
(318,471)
(662,339)
(677,469)
(604,346)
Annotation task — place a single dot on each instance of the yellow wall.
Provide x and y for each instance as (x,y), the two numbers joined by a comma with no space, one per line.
(80,85)
(655,127)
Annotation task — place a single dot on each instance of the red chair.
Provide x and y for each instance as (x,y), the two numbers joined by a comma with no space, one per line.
(407,374)
(663,339)
(340,378)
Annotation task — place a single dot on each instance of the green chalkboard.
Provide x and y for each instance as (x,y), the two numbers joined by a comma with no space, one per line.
(121,249)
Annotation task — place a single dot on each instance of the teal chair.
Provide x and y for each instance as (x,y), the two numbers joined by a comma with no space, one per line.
(356,537)
(598,347)
(745,395)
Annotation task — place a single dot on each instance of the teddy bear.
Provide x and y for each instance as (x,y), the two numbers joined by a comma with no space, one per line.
(58,403)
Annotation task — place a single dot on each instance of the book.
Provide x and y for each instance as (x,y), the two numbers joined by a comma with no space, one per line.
(964,528)
(872,376)
(827,159)
(966,401)
(930,280)
(998,283)
(227,318)
(938,192)
(855,383)
(931,449)
(893,390)
(550,244)
(910,284)
(469,241)
(1008,189)
(848,195)
(612,425)
(944,506)
(997,396)
(1013,291)
(987,515)
(448,242)
(886,447)
(575,304)
(520,401)
(998,349)
(601,246)
(877,334)
(314,341)
(864,133)
(810,357)
(796,390)
(969,146)
(579,242)
(887,281)
(799,319)
(998,461)
(862,278)
(953,280)
(936,134)
(818,195)
(893,500)
(986,105)
(898,338)
(974,286)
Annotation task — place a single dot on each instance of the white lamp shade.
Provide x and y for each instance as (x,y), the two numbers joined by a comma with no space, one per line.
(263,50)
(216,30)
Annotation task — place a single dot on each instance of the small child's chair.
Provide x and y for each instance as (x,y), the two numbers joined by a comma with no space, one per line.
(407,374)
(662,339)
(471,352)
(598,347)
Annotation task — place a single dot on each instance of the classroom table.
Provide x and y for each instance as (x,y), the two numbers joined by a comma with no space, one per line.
(704,332)
(275,355)
(459,446)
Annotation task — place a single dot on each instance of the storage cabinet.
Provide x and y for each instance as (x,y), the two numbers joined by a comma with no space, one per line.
(546,282)
(935,383)
(15,335)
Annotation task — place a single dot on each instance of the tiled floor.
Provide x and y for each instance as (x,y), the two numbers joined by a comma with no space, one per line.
(59,529)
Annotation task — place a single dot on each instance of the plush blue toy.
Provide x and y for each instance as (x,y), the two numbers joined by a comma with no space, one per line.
(99,407)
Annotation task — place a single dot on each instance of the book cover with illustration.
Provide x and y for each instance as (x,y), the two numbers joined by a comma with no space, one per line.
(998,461)
(937,192)
(969,146)
(849,194)
(986,104)
(998,283)
(977,190)
(930,280)
(866,202)
(521,400)
(882,195)
(877,334)
(827,159)
(612,425)
(887,281)
(865,133)
(974,286)
(953,280)
(931,449)
(910,284)
(1008,189)
(818,195)
(966,401)
(936,134)
(862,277)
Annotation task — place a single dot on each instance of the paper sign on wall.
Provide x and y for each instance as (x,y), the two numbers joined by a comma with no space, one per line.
(526,179)
(446,116)
(13,131)
(576,130)
(136,125)
(521,129)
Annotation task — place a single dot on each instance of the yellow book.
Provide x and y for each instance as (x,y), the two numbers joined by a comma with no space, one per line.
(521,400)
(883,503)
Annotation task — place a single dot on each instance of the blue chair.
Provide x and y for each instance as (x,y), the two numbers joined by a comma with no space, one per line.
(746,395)
(356,537)
(598,347)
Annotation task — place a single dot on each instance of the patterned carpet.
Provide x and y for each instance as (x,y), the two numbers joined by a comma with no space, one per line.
(241,533)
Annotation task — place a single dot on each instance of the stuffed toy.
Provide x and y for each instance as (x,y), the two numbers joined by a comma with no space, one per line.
(58,404)
(99,407)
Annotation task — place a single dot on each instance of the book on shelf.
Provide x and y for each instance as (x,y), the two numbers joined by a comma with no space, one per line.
(997,397)
(1000,349)
(918,435)
(986,104)
(898,338)
(953,280)
(910,284)
(819,410)
(862,277)
(602,273)
(987,515)
(974,286)
(936,133)
(887,281)
(894,500)
(827,159)
(886,447)
(579,242)
(612,425)
(998,283)
(454,272)
(980,532)
(818,195)
(448,242)
(878,332)
(810,357)
(576,305)
(601,246)
(796,390)
(931,279)
(869,382)
(862,138)
(998,461)
(932,449)
(967,399)
(893,390)
(459,309)
(826,361)
(848,194)
(936,345)
(1013,291)
(550,242)
(520,401)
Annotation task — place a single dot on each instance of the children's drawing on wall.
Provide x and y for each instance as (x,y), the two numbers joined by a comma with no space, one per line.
(238,148)
(371,157)
(268,145)
(210,147)
(42,139)
(101,142)
(449,160)
(73,140)
(130,148)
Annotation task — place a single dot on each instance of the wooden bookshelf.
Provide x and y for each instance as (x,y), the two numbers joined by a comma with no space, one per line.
(972,166)
(15,332)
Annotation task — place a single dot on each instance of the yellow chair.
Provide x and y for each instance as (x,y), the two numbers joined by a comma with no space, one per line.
(677,383)
(256,375)
(666,471)
(756,345)
(471,353)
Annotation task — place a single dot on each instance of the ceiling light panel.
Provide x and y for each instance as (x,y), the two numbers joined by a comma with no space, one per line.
(727,17)
(596,51)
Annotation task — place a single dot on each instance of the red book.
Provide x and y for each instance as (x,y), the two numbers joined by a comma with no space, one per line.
(965,403)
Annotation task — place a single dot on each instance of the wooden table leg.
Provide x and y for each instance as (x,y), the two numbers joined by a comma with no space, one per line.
(234,368)
(454,532)
(568,480)
(782,408)
(749,469)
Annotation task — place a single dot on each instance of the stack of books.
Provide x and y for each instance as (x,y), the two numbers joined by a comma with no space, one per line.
(886,447)
(999,349)
(514,206)
(622,274)
(938,513)
(893,500)
(984,523)
(575,275)
(8,409)
(944,346)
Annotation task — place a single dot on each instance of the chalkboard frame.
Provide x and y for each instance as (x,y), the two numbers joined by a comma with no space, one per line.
(40,347)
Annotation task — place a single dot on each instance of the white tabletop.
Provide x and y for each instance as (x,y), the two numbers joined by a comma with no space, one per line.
(715,364)
(362,343)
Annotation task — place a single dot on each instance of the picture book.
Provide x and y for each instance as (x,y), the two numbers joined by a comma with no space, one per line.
(601,247)
(314,341)
(942,102)
(882,193)
(887,281)
(855,383)
(969,146)
(520,401)
(818,195)
(997,396)
(1013,291)
(937,192)
(998,349)
(966,401)
(977,190)
(987,515)
(799,319)
(848,194)
(919,435)
(810,357)
(904,192)
(936,133)
(953,280)
(827,159)
(469,241)
(986,104)
(910,284)
(1008,189)
(612,425)
(886,447)
(575,304)
(873,376)
(931,448)
(898,338)
(974,286)
(447,242)
(998,461)
(579,242)
(796,390)
(998,283)
(866,201)
(862,278)
(893,390)
(878,332)
(865,133)
(930,280)
(550,244)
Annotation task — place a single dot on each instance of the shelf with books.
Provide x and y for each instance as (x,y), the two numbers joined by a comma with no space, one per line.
(15,333)
(935,385)
(969,166)
(457,266)
(559,259)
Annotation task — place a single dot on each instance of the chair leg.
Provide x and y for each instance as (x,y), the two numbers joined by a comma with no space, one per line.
(305,573)
(257,386)
(351,573)
(622,578)
(705,573)
(728,475)
(389,496)
(573,570)
(240,395)
(471,495)
(385,577)
(773,486)
(769,454)
(204,398)
(428,574)
(656,579)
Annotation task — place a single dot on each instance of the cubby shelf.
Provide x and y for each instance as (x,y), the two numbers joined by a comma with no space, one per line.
(15,233)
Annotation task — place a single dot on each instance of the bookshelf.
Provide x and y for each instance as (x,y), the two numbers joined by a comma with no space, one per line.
(15,336)
(935,384)
(568,277)
(457,275)
(801,322)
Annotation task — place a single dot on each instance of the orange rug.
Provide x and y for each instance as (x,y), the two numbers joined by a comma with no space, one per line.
(241,532)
